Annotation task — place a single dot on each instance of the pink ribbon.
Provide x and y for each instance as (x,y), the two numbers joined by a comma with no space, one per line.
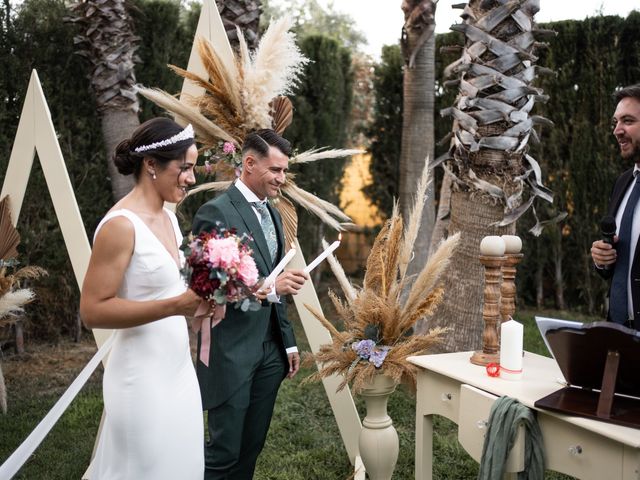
(206,323)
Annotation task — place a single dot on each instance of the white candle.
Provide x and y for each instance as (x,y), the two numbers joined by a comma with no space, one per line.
(512,243)
(511,337)
(270,280)
(492,246)
(323,255)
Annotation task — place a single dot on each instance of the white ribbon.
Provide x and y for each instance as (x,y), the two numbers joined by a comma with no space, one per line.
(18,458)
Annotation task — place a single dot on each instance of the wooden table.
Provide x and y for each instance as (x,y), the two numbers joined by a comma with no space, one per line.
(451,386)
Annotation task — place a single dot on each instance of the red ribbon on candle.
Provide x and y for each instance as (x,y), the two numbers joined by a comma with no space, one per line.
(493,369)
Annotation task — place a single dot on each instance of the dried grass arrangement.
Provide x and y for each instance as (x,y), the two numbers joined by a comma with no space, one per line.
(13,298)
(379,317)
(246,96)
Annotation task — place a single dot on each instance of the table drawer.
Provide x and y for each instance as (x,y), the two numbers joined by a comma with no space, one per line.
(475,407)
(579,452)
(442,396)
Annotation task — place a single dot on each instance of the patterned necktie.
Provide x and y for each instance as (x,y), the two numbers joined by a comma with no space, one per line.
(268,228)
(618,301)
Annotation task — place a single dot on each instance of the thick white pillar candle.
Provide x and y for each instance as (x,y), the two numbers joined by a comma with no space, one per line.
(513,243)
(492,245)
(511,337)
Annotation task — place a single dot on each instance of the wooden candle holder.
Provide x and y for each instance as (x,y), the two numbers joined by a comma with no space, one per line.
(508,287)
(490,352)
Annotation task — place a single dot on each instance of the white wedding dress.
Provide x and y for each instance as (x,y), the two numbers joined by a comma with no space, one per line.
(153,427)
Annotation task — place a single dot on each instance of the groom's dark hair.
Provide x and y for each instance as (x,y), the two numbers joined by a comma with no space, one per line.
(260,141)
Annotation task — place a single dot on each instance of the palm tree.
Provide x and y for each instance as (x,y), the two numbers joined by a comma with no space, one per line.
(108,42)
(494,179)
(244,14)
(418,48)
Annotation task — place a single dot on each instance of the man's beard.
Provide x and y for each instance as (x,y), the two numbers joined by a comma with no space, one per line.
(635,154)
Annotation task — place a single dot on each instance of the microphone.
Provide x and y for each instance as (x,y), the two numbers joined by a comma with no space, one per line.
(608,229)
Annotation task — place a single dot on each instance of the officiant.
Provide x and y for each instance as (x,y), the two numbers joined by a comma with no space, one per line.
(621,261)
(251,352)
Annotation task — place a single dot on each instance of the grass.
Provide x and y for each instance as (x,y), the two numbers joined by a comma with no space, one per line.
(303,444)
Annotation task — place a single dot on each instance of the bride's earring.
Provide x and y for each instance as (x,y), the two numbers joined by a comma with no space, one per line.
(153,174)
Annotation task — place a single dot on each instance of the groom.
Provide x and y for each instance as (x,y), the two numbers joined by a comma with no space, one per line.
(251,352)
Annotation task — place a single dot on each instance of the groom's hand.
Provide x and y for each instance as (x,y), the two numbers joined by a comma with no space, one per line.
(294,364)
(290,282)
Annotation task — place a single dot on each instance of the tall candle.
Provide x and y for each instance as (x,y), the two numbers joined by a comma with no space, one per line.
(323,255)
(492,245)
(511,337)
(512,243)
(270,280)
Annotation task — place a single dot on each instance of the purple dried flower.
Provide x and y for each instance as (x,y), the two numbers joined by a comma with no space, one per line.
(363,348)
(378,355)
(228,148)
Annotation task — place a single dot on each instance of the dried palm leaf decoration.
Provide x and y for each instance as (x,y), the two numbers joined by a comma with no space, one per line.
(244,97)
(9,236)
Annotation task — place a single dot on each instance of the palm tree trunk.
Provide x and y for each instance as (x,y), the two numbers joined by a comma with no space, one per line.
(539,279)
(558,277)
(489,161)
(108,42)
(116,126)
(244,14)
(465,279)
(3,393)
(418,144)
(441,227)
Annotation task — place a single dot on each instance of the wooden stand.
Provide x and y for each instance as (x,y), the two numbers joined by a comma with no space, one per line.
(491,311)
(508,287)
(599,362)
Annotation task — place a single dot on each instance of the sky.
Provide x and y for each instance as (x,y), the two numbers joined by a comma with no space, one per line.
(381,20)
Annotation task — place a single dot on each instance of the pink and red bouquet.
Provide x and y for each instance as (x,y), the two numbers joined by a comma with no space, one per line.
(219,267)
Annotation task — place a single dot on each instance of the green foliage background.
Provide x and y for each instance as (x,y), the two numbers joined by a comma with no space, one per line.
(322,104)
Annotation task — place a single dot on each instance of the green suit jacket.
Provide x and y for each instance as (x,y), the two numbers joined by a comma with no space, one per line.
(236,342)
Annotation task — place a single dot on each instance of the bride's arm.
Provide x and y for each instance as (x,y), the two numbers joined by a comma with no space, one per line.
(99,305)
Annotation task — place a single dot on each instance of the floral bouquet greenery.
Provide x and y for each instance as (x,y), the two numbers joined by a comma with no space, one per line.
(379,317)
(219,267)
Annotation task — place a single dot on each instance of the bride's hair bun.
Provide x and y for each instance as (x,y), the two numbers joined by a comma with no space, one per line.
(125,161)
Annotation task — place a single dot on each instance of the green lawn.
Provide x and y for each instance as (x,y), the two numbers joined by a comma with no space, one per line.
(304,442)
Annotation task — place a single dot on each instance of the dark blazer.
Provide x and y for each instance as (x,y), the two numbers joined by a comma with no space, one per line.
(619,189)
(236,342)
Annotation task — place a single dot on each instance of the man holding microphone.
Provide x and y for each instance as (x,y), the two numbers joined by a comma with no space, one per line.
(620,261)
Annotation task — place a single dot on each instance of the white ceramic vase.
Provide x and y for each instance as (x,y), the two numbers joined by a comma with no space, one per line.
(378,440)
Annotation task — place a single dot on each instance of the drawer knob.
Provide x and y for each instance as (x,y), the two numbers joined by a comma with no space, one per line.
(482,424)
(445,397)
(575,450)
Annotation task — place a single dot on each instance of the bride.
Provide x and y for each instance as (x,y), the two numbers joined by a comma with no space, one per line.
(153,413)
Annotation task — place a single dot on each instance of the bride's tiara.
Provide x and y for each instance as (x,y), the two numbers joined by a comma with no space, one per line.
(185,134)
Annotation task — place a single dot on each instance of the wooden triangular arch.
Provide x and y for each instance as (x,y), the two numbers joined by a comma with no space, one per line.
(344,409)
(37,134)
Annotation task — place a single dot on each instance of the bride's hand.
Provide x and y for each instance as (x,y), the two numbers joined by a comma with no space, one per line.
(188,303)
